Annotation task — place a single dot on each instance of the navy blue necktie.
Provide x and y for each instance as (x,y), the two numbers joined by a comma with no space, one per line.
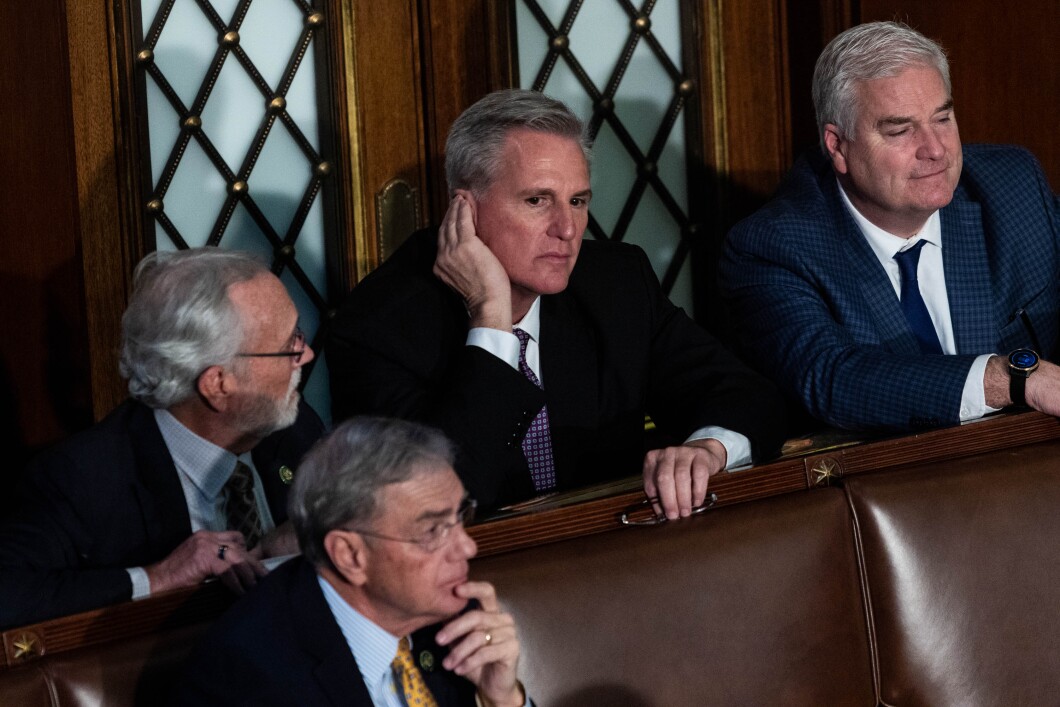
(913,304)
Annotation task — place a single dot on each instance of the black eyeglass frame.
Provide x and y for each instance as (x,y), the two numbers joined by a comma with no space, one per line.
(299,341)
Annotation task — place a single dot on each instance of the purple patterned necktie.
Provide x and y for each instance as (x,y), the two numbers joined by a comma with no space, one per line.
(537,444)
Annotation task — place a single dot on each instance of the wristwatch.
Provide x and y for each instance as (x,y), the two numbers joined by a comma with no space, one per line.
(1021,364)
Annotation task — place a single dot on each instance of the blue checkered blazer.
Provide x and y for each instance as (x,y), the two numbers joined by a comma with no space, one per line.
(813,308)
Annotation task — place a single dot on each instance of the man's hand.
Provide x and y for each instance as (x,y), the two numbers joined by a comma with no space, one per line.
(465,264)
(484,647)
(678,476)
(200,557)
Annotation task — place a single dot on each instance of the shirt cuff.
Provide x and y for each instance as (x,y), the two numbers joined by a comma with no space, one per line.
(527,702)
(141,585)
(973,399)
(502,344)
(737,446)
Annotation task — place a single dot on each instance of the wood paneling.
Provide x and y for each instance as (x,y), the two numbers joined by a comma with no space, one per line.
(551,523)
(739,133)
(465,51)
(44,391)
(1004,65)
(107,188)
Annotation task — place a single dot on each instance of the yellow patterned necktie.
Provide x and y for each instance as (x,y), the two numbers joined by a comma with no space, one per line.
(412,684)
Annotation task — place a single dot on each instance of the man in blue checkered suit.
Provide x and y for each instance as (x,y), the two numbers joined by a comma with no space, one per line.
(815,279)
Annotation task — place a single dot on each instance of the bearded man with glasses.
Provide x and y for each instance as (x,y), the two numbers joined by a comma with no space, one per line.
(379,610)
(187,480)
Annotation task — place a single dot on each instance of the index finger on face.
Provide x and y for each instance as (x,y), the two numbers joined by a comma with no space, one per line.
(482,591)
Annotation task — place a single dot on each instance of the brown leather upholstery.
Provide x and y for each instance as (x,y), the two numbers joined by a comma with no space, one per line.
(963,568)
(26,687)
(750,605)
(138,671)
(761,603)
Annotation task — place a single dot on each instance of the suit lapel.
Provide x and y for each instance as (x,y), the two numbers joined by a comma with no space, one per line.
(967,272)
(336,671)
(569,353)
(881,302)
(157,487)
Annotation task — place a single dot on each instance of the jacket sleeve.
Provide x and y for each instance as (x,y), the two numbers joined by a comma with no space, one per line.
(786,328)
(478,400)
(695,381)
(47,547)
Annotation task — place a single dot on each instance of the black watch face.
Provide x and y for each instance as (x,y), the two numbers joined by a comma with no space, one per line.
(1023,358)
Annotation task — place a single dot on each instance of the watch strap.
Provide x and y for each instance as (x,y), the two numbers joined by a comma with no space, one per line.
(1017,388)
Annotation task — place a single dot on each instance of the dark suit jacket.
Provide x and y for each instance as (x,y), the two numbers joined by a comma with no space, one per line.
(815,309)
(280,645)
(612,348)
(106,499)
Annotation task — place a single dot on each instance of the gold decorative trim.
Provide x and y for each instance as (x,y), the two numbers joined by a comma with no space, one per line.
(363,258)
(397,214)
(25,646)
(823,471)
(716,71)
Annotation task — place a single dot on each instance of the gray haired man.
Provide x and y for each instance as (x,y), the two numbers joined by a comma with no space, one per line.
(380,517)
(538,353)
(900,280)
(186,480)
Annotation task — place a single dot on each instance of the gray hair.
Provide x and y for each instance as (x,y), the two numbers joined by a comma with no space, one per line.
(475,144)
(180,321)
(874,50)
(338,482)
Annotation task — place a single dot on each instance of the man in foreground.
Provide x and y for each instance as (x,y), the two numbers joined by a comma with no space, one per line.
(379,514)
(537,353)
(187,480)
(898,281)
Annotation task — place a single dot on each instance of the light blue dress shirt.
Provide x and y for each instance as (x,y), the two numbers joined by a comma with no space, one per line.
(203,469)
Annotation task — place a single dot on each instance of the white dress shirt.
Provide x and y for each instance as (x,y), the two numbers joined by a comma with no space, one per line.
(932,280)
(505,346)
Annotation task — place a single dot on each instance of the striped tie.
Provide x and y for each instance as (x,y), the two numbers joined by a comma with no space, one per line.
(241,510)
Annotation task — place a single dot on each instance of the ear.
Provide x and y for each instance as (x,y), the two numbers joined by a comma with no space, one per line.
(836,147)
(471,200)
(348,554)
(215,386)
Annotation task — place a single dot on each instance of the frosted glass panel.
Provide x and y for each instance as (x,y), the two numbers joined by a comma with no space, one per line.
(598,41)
(278,173)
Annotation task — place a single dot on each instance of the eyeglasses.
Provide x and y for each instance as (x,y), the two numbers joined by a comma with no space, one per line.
(649,503)
(297,349)
(434,537)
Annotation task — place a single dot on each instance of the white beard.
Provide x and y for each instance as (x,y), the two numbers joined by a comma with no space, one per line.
(264,415)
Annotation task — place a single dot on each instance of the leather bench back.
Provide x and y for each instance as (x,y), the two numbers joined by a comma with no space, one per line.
(963,570)
(136,671)
(749,605)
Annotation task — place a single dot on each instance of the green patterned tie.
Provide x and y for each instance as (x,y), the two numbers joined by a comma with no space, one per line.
(241,510)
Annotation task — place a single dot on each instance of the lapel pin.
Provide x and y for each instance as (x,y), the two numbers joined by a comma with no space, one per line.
(286,475)
(426,661)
